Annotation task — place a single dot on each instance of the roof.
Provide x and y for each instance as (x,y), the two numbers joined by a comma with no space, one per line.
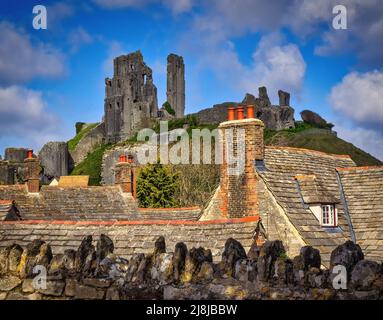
(283,165)
(313,190)
(131,237)
(363,190)
(87,203)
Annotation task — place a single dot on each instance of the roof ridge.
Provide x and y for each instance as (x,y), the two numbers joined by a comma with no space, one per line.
(359,168)
(341,156)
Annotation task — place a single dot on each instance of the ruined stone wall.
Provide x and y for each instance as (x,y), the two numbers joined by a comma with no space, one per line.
(130,98)
(54,159)
(6,173)
(95,272)
(176,84)
(275,117)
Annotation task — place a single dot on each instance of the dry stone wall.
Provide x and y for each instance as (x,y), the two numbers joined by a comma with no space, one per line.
(95,272)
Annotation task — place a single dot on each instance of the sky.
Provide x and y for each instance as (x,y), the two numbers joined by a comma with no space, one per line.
(52,78)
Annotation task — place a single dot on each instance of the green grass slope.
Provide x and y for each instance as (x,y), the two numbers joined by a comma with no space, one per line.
(320,140)
(91,166)
(72,143)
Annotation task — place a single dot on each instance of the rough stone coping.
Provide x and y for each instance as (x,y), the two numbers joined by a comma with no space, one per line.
(310,151)
(170,209)
(241,122)
(360,168)
(136,222)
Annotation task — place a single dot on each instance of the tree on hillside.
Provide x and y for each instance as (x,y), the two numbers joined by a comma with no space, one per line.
(156,186)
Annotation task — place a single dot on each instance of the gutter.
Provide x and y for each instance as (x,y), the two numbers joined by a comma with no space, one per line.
(345,206)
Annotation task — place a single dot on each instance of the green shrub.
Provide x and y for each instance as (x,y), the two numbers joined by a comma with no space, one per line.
(169,108)
(157,186)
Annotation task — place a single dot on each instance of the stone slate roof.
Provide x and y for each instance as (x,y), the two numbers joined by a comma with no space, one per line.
(283,164)
(363,189)
(314,191)
(131,237)
(86,203)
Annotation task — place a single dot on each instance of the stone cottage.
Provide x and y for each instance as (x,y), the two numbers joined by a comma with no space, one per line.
(299,196)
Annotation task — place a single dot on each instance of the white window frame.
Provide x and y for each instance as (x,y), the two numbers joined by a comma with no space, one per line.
(330,211)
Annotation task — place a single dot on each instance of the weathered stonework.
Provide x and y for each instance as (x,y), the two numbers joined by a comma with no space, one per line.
(275,117)
(130,98)
(185,273)
(176,84)
(54,159)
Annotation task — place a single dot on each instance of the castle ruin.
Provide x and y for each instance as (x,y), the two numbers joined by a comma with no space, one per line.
(175,91)
(130,98)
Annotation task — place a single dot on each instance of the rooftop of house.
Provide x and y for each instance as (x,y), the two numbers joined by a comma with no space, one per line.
(363,189)
(299,178)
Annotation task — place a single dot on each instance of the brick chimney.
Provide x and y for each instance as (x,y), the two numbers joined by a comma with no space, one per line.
(32,171)
(125,174)
(241,140)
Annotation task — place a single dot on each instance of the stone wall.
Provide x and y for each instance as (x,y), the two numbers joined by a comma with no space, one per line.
(275,117)
(54,159)
(95,272)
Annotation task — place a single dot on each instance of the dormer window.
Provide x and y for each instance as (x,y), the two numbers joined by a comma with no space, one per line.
(329,215)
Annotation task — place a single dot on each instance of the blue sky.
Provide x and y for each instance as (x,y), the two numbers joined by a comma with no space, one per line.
(49,79)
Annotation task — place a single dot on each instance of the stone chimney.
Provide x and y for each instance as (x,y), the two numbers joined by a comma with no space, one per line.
(125,174)
(32,171)
(243,139)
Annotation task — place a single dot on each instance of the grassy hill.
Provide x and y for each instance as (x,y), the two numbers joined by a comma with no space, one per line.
(303,136)
(308,137)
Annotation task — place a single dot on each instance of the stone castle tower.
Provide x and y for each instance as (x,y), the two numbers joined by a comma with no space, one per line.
(176,84)
(130,98)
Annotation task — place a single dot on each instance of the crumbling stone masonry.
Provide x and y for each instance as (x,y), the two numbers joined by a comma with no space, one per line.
(54,159)
(176,84)
(130,98)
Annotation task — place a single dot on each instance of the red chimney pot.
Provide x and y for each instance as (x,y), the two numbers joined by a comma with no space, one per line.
(250,112)
(240,114)
(30,154)
(122,158)
(231,113)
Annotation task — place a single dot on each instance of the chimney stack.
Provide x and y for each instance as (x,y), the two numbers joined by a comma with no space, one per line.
(32,171)
(239,191)
(125,174)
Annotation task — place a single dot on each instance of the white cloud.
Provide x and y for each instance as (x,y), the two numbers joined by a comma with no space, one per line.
(277,67)
(25,115)
(305,18)
(20,60)
(274,64)
(179,6)
(360,97)
(367,140)
(78,38)
(176,6)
